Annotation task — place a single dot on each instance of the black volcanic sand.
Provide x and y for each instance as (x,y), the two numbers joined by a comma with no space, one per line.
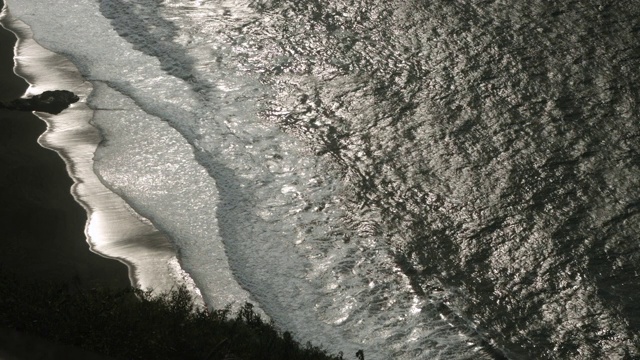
(41,225)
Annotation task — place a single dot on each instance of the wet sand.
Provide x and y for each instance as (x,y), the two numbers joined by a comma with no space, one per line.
(41,226)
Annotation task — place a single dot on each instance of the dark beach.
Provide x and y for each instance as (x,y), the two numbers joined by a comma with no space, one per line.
(41,225)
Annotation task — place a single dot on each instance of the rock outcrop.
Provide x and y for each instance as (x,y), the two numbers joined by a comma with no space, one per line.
(52,102)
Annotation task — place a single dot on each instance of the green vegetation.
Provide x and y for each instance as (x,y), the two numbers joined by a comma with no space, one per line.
(132,324)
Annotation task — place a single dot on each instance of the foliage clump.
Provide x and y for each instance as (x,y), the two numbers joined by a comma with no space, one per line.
(132,324)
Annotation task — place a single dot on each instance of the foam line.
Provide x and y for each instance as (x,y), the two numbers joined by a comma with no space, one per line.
(113,229)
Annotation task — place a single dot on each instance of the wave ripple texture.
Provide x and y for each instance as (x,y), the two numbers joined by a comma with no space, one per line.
(419,179)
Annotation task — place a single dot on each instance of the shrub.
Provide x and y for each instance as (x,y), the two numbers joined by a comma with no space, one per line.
(132,324)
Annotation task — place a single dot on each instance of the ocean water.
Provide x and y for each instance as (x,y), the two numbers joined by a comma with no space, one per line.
(418,179)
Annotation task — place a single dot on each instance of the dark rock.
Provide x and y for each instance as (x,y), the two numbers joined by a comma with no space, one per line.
(52,102)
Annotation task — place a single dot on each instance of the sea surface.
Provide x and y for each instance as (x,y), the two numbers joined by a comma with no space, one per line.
(417,179)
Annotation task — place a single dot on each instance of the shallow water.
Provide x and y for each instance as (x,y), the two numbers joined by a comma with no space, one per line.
(421,180)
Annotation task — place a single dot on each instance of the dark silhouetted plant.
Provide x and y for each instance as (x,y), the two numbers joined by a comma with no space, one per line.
(133,324)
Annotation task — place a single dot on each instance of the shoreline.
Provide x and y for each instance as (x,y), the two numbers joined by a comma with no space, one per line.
(42,225)
(113,229)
